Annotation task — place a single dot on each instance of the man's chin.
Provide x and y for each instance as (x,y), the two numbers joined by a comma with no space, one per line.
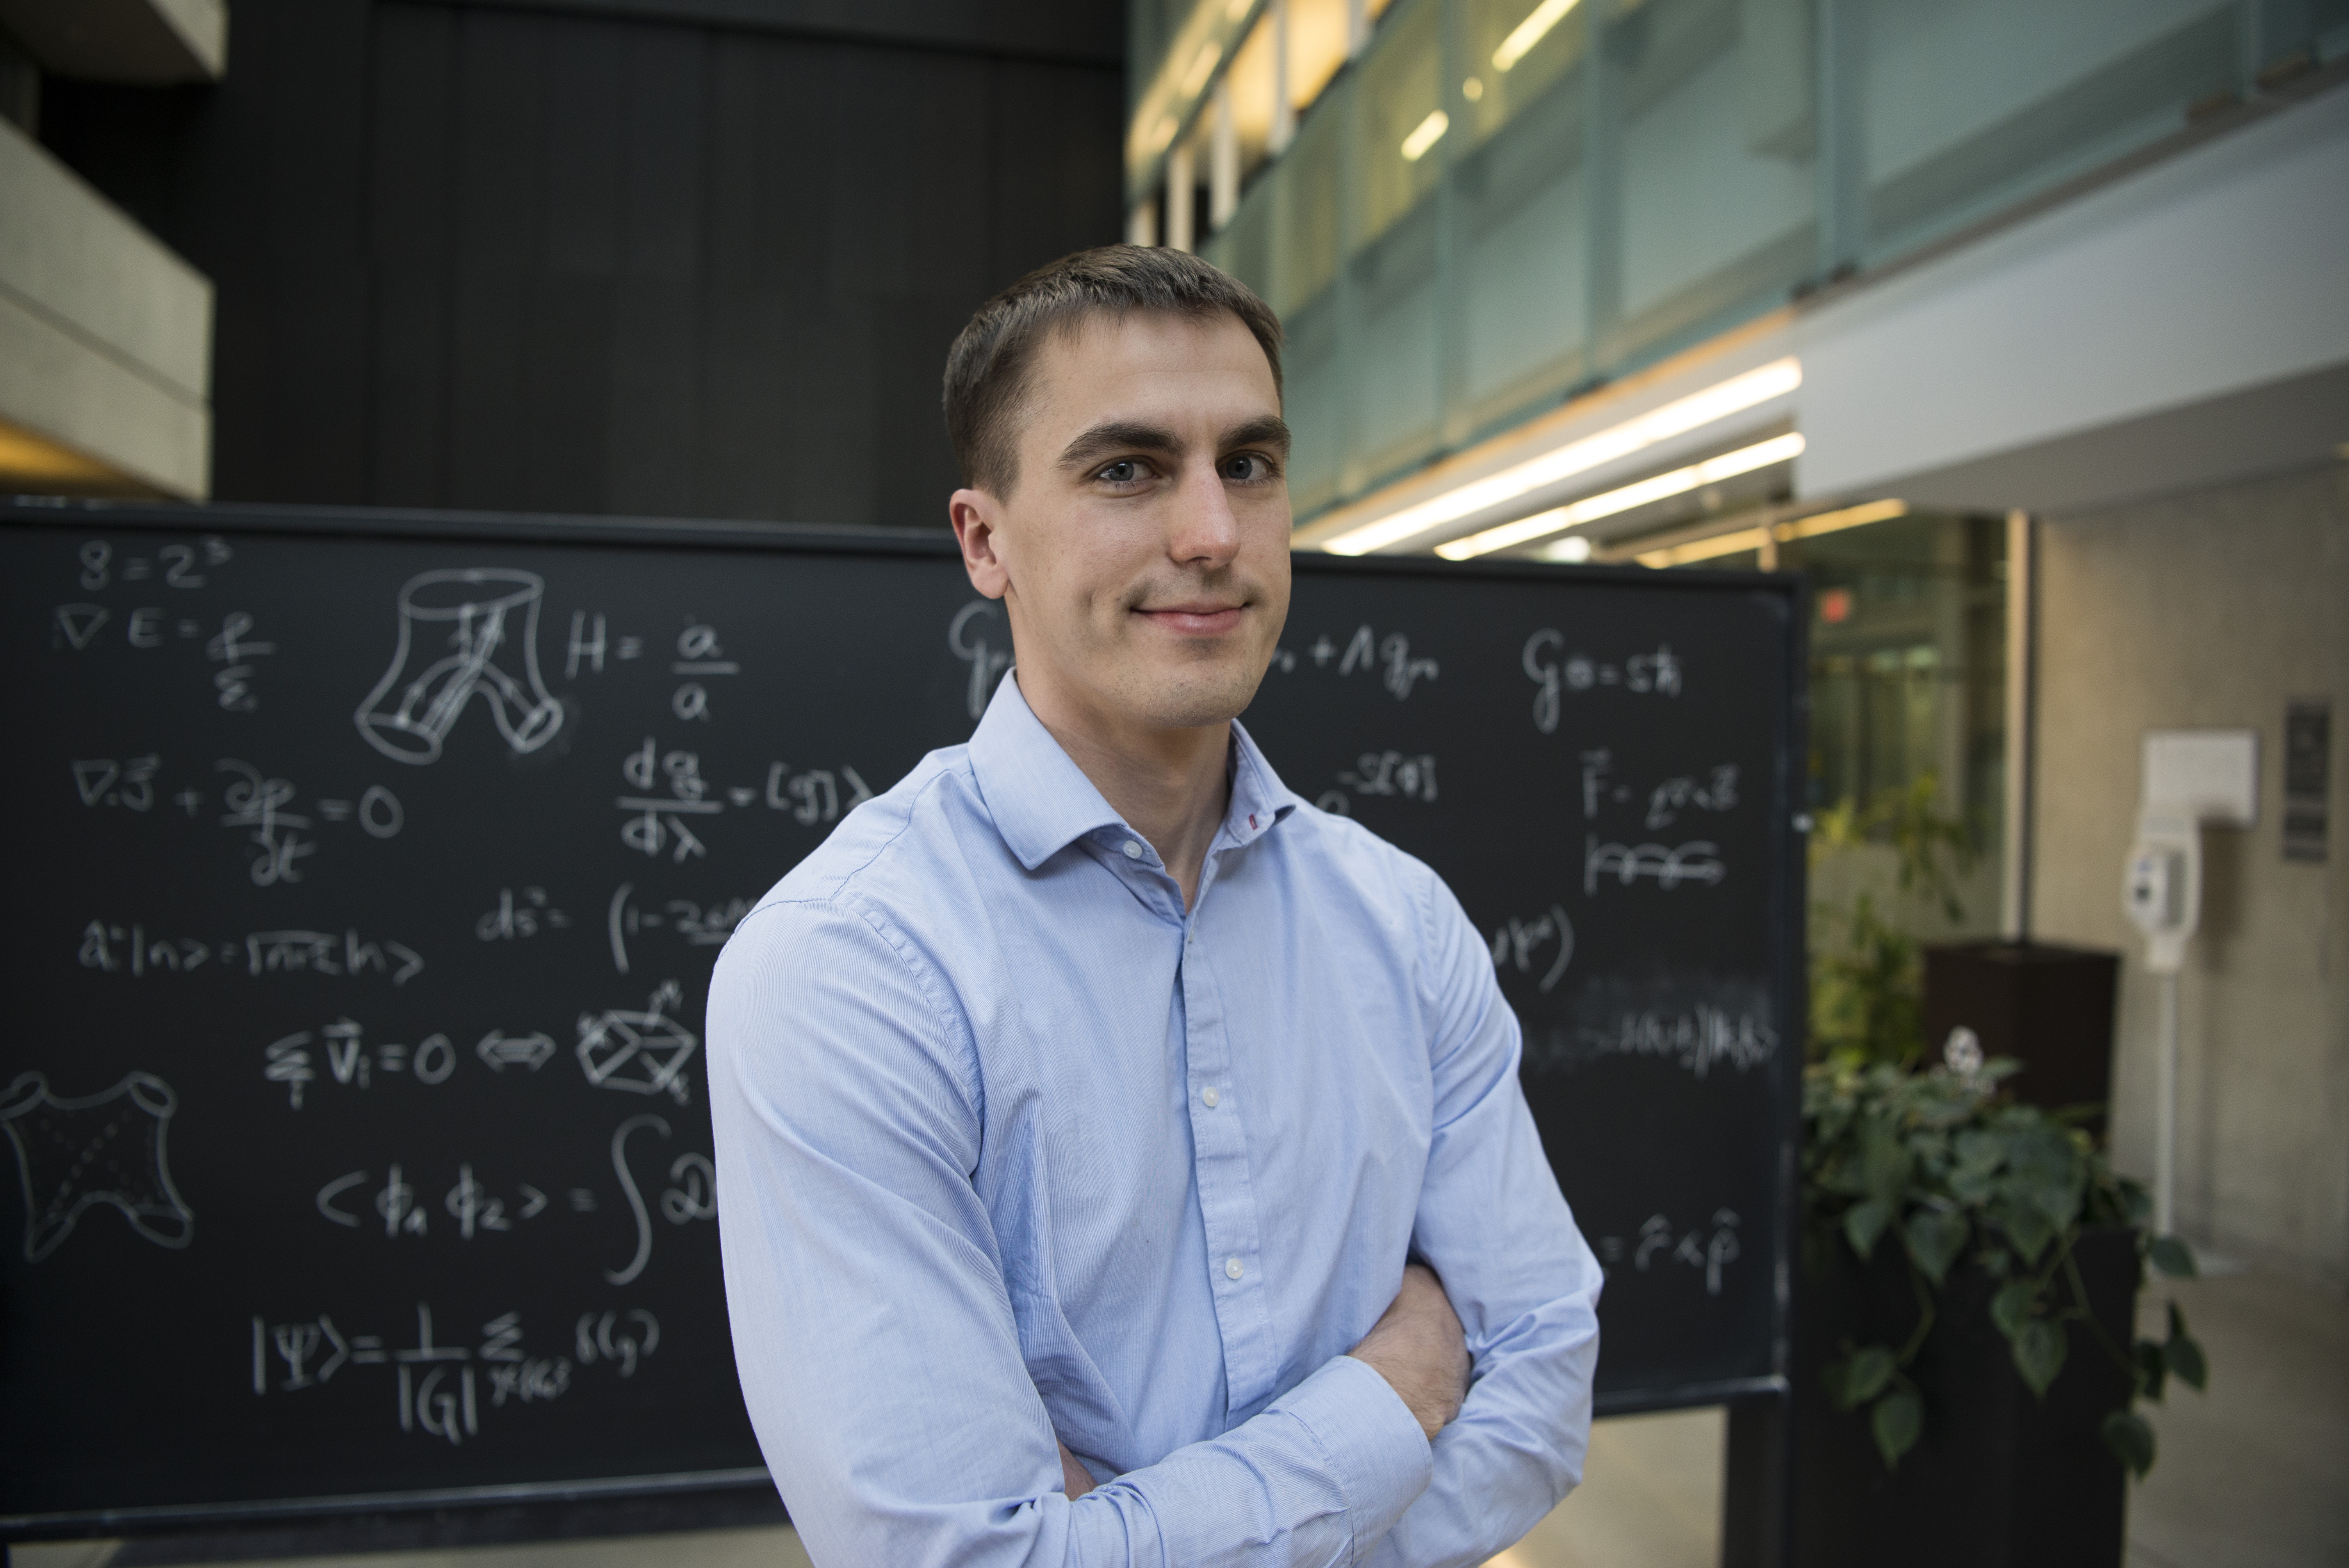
(1197,698)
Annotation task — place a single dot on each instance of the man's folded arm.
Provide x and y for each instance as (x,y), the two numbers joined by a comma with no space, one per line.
(878,1351)
(1498,1231)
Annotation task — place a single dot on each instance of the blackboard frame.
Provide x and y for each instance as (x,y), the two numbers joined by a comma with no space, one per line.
(1758,1469)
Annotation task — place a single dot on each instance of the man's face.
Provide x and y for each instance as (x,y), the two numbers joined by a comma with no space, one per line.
(1142,548)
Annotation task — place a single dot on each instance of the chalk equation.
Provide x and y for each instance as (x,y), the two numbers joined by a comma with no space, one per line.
(1557,673)
(691,1195)
(1711,789)
(1542,944)
(339,1054)
(980,637)
(77,1152)
(638,1052)
(1699,1038)
(1388,658)
(519,917)
(342,1050)
(356,1200)
(1668,866)
(260,808)
(697,925)
(175,566)
(1659,1245)
(658,821)
(233,646)
(700,657)
(486,620)
(441,1385)
(133,950)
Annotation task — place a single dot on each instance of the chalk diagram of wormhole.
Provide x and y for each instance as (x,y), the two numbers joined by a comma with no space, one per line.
(408,715)
(107,1148)
(640,1053)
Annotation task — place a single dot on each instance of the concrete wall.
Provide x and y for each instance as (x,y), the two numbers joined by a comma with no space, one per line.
(2212,609)
(105,334)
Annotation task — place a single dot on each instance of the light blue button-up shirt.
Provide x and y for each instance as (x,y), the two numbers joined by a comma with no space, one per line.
(1010,1145)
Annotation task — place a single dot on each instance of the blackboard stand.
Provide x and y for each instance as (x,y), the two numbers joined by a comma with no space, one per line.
(1756,1517)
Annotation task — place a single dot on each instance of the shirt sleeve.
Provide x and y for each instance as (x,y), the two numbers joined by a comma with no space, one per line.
(1495,1227)
(874,1338)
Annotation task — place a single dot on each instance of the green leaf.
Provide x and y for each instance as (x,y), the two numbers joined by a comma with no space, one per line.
(2011,1307)
(1869,1370)
(1884,1159)
(2137,1203)
(1935,1237)
(2172,1257)
(2184,1355)
(2152,1369)
(2026,1226)
(2131,1441)
(1980,1150)
(1865,1223)
(1897,1421)
(2039,1350)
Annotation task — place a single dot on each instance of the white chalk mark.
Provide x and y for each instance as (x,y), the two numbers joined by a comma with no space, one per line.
(54,1139)
(475,605)
(635,1201)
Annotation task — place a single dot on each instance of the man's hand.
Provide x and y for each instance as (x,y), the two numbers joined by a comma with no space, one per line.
(1417,1346)
(1073,1479)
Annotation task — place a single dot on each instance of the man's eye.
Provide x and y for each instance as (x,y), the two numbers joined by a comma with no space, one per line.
(1122,474)
(1245,467)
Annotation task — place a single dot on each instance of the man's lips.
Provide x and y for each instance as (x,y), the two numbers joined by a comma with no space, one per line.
(1194,620)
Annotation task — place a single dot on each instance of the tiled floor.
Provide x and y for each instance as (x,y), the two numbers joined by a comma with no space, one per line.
(2251,1474)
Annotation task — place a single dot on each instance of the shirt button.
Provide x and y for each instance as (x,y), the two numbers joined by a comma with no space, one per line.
(1210,1096)
(1232,1269)
(1133,851)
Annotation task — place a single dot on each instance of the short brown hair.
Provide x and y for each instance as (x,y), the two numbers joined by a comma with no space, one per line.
(987,369)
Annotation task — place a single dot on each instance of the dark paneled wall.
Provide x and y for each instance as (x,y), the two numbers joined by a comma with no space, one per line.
(476,257)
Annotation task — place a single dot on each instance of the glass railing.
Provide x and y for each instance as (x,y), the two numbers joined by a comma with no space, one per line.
(1501,204)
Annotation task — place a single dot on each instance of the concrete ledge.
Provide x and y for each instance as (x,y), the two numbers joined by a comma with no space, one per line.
(105,337)
(146,43)
(56,387)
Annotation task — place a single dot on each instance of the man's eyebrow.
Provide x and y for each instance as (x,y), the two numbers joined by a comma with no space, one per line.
(1118,435)
(1267,431)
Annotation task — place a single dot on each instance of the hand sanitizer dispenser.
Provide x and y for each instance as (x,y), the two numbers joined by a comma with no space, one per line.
(2191,777)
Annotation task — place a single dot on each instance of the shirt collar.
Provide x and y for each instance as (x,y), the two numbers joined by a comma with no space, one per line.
(1041,802)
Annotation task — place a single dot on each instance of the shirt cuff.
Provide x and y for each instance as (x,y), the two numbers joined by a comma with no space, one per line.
(1383,1460)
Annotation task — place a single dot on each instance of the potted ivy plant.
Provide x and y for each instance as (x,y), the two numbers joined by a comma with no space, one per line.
(1961,1251)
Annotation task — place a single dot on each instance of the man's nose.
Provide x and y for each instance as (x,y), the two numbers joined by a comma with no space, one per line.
(1202,528)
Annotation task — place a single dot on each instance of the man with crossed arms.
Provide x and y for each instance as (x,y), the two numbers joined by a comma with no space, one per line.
(1121,1160)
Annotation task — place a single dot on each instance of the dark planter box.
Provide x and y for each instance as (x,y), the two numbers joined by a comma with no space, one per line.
(2048,1006)
(1999,1480)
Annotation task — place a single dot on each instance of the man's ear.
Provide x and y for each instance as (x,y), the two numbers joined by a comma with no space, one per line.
(975,513)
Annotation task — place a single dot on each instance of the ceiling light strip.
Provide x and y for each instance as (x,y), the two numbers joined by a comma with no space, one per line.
(1678,481)
(1739,540)
(1718,401)
(1531,31)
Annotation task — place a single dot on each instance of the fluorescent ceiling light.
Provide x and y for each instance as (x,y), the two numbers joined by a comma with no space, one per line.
(1429,133)
(1678,481)
(1196,77)
(1835,521)
(1739,540)
(1531,31)
(1716,402)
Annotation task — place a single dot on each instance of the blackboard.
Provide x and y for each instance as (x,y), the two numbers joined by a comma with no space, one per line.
(371,868)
